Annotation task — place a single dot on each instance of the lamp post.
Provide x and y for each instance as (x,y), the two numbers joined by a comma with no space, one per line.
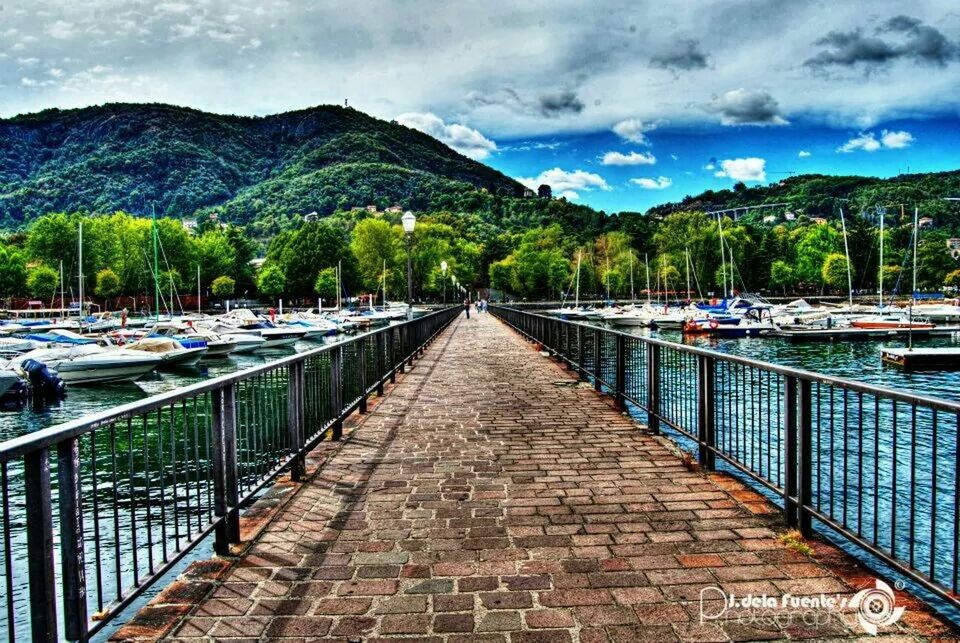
(443,269)
(409,222)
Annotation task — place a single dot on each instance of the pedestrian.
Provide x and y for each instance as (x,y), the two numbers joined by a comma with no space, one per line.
(466,307)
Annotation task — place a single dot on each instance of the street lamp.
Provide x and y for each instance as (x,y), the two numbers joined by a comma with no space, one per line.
(443,269)
(409,223)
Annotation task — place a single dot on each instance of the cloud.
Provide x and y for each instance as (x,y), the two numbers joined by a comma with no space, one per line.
(463,139)
(917,41)
(803,154)
(682,55)
(744,107)
(633,158)
(557,103)
(61,30)
(745,169)
(566,183)
(658,183)
(896,140)
(633,130)
(569,195)
(868,141)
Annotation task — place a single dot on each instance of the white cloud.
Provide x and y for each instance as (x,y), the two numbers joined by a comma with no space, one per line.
(61,30)
(28,82)
(868,142)
(896,140)
(803,154)
(658,183)
(566,183)
(463,139)
(745,169)
(28,61)
(633,158)
(634,130)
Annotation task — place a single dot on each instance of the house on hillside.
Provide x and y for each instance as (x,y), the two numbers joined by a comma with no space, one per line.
(953,245)
(528,193)
(313,216)
(925,222)
(394,208)
(372,209)
(190,225)
(770,219)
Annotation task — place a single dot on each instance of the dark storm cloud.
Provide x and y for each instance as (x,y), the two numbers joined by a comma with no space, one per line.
(548,105)
(917,41)
(684,55)
(744,107)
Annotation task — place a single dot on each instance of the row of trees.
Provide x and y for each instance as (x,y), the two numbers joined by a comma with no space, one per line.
(803,257)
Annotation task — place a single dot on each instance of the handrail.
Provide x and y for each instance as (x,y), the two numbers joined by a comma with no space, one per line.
(131,490)
(875,467)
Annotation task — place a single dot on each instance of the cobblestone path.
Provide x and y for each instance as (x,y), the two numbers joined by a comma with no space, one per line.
(490,497)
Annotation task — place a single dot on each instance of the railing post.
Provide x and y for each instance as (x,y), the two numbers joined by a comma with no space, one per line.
(43,596)
(230,463)
(402,332)
(597,358)
(392,350)
(220,545)
(653,387)
(791,463)
(581,334)
(706,421)
(336,390)
(567,354)
(381,374)
(295,384)
(71,541)
(362,362)
(411,343)
(805,488)
(621,373)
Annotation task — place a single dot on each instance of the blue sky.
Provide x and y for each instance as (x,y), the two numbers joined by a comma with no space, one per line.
(538,88)
(684,154)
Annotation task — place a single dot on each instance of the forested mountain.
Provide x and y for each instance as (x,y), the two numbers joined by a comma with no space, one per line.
(129,157)
(823,196)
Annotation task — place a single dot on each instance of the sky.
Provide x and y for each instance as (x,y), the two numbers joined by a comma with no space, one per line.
(617,104)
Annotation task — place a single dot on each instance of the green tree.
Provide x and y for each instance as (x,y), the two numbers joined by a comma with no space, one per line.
(834,271)
(42,281)
(13,272)
(108,284)
(223,286)
(814,244)
(270,281)
(301,253)
(215,255)
(952,279)
(374,242)
(326,284)
(782,275)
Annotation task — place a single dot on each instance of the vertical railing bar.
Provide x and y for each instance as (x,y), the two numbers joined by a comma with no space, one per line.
(71,540)
(43,595)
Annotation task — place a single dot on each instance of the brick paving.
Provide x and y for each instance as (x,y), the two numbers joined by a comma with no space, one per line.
(491,498)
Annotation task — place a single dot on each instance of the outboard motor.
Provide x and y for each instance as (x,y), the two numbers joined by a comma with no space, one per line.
(15,397)
(46,384)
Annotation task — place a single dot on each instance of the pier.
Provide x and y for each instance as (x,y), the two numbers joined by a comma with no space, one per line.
(509,477)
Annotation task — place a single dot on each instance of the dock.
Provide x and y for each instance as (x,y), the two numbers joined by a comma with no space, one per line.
(940,359)
(854,334)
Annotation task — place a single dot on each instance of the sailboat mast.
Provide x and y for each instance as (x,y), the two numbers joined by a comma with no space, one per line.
(646,262)
(723,258)
(576,301)
(156,262)
(339,285)
(198,289)
(631,278)
(881,261)
(686,257)
(913,294)
(384,284)
(80,266)
(63,312)
(846,250)
(606,260)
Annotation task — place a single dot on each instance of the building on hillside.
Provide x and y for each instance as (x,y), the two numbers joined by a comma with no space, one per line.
(394,209)
(925,222)
(819,220)
(190,225)
(528,193)
(544,192)
(313,216)
(770,219)
(372,209)
(789,216)
(953,245)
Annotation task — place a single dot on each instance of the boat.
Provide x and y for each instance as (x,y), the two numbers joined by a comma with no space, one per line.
(173,352)
(244,321)
(90,363)
(243,342)
(893,322)
(218,346)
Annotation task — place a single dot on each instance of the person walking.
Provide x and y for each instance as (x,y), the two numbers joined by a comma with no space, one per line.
(466,307)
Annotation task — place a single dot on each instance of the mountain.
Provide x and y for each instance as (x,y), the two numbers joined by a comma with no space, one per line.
(133,156)
(822,195)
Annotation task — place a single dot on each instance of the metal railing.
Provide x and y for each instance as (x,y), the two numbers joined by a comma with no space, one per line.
(877,467)
(96,510)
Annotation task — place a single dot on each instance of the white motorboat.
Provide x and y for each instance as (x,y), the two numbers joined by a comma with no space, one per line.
(89,363)
(243,342)
(218,346)
(173,352)
(8,379)
(13,346)
(245,321)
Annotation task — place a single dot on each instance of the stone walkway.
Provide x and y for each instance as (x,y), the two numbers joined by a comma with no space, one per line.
(489,497)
